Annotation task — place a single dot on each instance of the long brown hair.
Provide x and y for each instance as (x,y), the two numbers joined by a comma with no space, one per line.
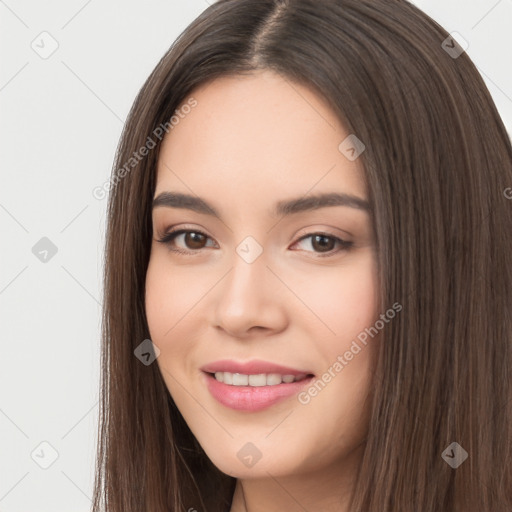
(437,162)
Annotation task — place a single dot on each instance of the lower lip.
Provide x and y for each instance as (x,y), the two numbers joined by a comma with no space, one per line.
(252,398)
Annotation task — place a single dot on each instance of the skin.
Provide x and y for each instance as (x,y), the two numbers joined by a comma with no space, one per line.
(250,142)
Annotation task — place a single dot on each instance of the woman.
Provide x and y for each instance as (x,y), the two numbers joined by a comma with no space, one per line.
(307,287)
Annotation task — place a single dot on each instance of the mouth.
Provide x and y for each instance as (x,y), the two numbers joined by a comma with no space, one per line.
(258,380)
(254,392)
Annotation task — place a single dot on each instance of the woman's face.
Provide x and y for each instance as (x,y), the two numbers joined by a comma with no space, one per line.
(294,286)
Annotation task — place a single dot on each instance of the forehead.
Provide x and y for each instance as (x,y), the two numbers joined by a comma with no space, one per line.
(257,134)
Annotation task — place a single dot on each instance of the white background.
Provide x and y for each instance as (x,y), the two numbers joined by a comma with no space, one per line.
(61,118)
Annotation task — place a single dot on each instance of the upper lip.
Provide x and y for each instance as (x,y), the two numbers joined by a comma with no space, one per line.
(253,367)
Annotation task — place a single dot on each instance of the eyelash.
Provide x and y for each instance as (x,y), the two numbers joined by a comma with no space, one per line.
(169,237)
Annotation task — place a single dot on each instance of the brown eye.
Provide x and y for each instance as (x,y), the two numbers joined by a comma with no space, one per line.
(193,241)
(323,243)
(326,245)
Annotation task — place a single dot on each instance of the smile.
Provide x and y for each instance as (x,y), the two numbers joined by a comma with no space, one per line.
(261,379)
(243,396)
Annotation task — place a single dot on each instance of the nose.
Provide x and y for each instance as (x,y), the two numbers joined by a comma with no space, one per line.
(250,300)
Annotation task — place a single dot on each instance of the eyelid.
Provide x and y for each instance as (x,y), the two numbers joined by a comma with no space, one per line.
(328,231)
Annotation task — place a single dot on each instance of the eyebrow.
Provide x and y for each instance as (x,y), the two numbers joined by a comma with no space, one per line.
(281,208)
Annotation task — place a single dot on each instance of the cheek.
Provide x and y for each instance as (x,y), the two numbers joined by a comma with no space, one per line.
(173,300)
(160,301)
(171,295)
(166,303)
(344,300)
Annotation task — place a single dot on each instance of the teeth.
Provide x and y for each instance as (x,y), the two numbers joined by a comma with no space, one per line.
(240,380)
(262,379)
(259,380)
(274,378)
